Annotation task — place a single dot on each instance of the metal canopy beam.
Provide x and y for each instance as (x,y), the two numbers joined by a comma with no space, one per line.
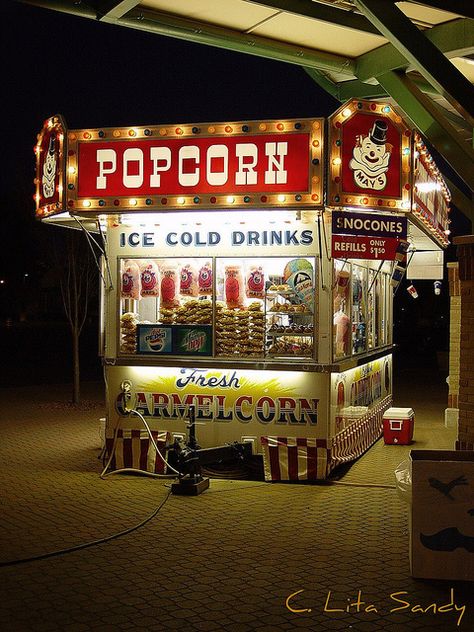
(461,7)
(323,82)
(422,54)
(453,39)
(322,12)
(424,115)
(114,8)
(198,32)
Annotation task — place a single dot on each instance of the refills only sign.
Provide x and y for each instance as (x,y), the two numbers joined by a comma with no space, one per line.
(366,236)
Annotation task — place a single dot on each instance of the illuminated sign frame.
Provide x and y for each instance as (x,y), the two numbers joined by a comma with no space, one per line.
(50,195)
(364,117)
(431,197)
(306,132)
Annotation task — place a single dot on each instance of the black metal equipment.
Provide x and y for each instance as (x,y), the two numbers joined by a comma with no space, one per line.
(190,457)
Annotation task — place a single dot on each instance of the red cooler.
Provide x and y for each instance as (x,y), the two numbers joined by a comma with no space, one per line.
(398,426)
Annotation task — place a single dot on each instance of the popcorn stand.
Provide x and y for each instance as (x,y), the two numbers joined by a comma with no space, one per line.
(248,277)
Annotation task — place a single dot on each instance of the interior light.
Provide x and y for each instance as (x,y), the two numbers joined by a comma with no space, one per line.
(427,187)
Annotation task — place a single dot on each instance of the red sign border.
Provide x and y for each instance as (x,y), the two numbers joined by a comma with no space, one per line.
(419,209)
(54,124)
(337,197)
(313,196)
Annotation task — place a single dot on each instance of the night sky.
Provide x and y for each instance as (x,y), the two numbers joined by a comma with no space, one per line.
(98,75)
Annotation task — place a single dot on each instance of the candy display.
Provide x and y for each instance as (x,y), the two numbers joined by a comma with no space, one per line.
(193,311)
(240,332)
(234,289)
(205,279)
(342,281)
(255,282)
(128,332)
(189,280)
(169,286)
(342,327)
(296,265)
(130,285)
(149,279)
(298,274)
(251,318)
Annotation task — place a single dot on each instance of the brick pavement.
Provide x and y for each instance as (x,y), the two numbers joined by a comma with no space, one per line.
(226,560)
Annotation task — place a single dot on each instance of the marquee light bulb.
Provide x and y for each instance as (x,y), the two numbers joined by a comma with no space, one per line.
(181,200)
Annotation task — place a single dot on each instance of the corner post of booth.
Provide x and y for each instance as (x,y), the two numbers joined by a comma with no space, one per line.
(465,253)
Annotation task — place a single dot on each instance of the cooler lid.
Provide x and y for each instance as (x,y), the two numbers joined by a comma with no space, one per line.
(398,413)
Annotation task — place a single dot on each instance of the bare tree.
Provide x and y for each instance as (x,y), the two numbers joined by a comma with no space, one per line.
(78,283)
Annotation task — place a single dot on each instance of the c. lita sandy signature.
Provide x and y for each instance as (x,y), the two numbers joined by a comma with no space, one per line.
(396,601)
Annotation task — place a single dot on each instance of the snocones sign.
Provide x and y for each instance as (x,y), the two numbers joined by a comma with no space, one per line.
(370,157)
(367,235)
(254,164)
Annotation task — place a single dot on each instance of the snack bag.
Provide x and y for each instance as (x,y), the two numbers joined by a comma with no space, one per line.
(296,265)
(169,286)
(234,286)
(130,280)
(189,281)
(301,282)
(150,278)
(255,282)
(205,280)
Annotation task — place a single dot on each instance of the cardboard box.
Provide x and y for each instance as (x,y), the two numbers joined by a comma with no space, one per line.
(442,515)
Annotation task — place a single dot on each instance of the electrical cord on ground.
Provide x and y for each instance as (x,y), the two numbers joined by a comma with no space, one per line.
(131,411)
(376,485)
(86,545)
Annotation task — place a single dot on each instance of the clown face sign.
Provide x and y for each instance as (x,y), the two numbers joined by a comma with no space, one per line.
(370,157)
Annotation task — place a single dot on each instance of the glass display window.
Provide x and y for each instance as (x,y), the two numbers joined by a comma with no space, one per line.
(341,309)
(361,308)
(220,306)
